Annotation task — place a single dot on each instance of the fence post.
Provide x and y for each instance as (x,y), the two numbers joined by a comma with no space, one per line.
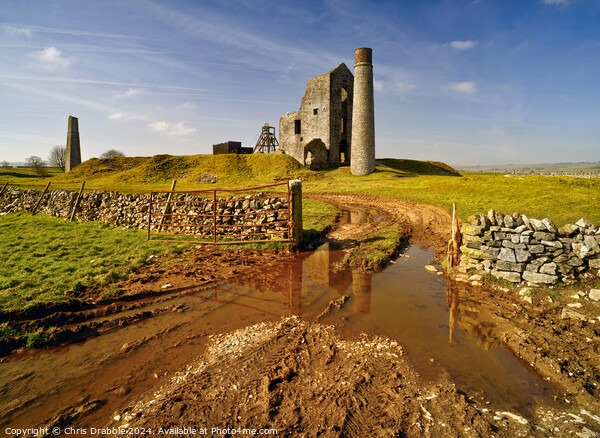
(168,206)
(295,187)
(40,200)
(77,202)
(454,243)
(215,216)
(3,188)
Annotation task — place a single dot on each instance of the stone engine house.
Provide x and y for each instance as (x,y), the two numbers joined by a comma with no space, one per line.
(319,134)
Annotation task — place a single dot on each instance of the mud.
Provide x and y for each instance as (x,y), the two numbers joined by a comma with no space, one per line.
(303,377)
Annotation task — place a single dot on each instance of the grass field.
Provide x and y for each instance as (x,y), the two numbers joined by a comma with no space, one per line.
(561,199)
(45,257)
(49,260)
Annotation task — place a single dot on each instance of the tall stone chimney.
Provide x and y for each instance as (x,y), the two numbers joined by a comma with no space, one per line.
(362,161)
(73,156)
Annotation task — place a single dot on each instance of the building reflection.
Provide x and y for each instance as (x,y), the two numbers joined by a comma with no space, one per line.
(294,281)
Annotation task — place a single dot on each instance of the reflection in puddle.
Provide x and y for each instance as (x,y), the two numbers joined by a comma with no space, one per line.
(403,302)
(355,216)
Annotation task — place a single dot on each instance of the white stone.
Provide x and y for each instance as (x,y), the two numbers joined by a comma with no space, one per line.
(575,305)
(594,294)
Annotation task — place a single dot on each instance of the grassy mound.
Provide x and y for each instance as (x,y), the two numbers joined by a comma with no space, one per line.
(188,170)
(419,167)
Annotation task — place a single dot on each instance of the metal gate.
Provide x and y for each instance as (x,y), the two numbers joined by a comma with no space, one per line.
(220,216)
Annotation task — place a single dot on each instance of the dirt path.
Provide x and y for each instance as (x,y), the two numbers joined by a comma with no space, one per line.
(426,224)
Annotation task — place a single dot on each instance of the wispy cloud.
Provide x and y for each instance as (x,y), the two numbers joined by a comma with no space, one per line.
(176,129)
(16,30)
(463,87)
(130,92)
(51,58)
(558,2)
(188,106)
(463,45)
(126,116)
(29,30)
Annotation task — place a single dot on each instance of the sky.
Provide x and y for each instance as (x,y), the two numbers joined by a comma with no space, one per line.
(464,82)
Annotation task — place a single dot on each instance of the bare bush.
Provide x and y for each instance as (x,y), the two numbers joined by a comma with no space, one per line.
(112,153)
(38,164)
(57,156)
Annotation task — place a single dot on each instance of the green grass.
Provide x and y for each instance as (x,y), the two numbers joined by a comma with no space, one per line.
(375,251)
(47,260)
(561,199)
(317,216)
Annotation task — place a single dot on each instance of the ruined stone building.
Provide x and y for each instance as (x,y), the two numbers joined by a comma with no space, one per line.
(320,134)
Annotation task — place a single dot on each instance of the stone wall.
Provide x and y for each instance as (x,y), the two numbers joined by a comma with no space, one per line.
(518,249)
(131,210)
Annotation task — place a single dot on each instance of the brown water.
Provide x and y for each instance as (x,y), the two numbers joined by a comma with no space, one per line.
(403,302)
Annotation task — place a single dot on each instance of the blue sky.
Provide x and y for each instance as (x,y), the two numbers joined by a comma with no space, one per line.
(465,82)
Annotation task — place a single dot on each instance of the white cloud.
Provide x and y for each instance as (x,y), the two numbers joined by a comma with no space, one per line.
(402,87)
(179,130)
(557,2)
(176,129)
(126,117)
(463,45)
(161,126)
(188,105)
(16,30)
(52,58)
(394,86)
(463,87)
(130,92)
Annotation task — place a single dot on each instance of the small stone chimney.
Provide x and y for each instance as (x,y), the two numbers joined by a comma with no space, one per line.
(73,155)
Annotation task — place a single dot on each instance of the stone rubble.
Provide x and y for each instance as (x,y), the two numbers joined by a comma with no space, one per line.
(519,249)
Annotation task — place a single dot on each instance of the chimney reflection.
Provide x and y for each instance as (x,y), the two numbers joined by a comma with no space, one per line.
(361,292)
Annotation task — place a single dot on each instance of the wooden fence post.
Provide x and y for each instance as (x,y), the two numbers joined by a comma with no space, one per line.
(77,202)
(40,200)
(3,188)
(296,218)
(168,206)
(454,244)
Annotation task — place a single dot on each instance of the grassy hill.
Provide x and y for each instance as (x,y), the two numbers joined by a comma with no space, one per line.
(418,167)
(188,170)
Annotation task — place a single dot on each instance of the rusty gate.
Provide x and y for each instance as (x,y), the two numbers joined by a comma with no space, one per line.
(220,216)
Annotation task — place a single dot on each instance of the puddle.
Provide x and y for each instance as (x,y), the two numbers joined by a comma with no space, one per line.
(403,302)
(438,332)
(355,217)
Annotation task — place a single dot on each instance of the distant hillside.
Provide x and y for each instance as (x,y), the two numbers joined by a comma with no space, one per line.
(533,167)
(418,167)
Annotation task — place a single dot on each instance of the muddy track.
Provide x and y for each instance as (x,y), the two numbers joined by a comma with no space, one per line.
(303,380)
(425,224)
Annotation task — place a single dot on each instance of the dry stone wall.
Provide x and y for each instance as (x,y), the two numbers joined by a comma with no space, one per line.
(518,249)
(131,210)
